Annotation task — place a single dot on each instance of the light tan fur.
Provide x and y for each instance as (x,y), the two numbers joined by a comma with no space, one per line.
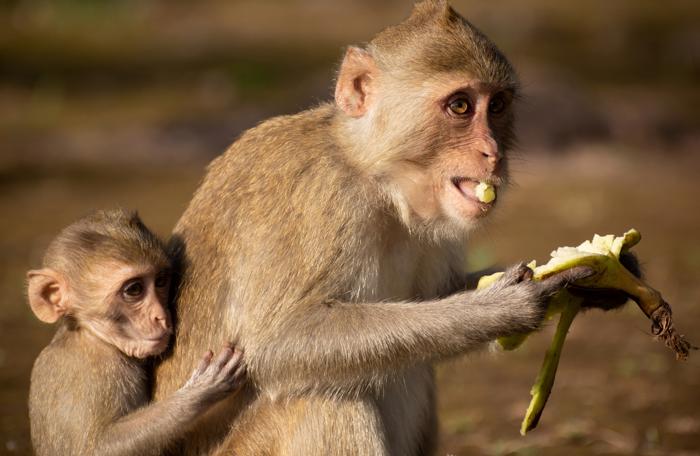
(105,279)
(331,245)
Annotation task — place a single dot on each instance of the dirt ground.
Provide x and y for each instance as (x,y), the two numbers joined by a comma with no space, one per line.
(618,391)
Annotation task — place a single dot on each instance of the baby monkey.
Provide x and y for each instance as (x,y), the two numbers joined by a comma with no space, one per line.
(107,278)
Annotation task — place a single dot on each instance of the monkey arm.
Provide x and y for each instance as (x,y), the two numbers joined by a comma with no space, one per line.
(152,428)
(80,388)
(336,346)
(339,345)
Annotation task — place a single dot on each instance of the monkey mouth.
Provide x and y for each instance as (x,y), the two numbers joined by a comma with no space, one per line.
(466,187)
(164,337)
(153,347)
(158,341)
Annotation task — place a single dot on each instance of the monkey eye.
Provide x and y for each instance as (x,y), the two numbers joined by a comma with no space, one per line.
(162,279)
(497,104)
(459,106)
(133,289)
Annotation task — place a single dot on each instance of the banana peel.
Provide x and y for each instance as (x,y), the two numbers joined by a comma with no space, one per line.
(544,382)
(601,254)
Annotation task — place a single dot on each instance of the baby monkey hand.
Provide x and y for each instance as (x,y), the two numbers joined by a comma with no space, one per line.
(216,378)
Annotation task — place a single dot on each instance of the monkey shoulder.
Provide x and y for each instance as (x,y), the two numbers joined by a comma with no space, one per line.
(286,147)
(286,184)
(286,168)
(290,132)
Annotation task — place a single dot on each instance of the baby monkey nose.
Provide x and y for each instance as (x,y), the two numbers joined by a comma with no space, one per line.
(162,319)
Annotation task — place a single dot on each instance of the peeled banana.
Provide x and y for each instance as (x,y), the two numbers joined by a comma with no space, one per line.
(485,192)
(601,254)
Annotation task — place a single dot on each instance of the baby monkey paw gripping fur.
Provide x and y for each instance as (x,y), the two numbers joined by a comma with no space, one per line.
(602,254)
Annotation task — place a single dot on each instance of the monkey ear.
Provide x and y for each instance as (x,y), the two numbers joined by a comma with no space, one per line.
(47,294)
(353,90)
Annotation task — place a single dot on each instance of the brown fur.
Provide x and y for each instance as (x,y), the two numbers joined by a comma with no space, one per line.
(321,242)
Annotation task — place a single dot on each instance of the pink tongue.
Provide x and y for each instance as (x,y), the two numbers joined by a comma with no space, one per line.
(466,187)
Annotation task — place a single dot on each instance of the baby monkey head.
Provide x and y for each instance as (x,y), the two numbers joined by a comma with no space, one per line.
(109,275)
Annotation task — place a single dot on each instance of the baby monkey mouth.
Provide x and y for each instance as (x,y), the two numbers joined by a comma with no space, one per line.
(155,346)
(162,338)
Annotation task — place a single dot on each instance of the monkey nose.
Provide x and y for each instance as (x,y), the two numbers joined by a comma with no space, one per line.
(490,158)
(489,151)
(163,320)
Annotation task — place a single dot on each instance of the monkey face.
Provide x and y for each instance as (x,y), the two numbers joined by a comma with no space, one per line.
(461,140)
(108,275)
(477,121)
(430,114)
(129,310)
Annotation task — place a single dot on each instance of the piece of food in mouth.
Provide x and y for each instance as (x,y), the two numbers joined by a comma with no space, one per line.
(602,255)
(485,192)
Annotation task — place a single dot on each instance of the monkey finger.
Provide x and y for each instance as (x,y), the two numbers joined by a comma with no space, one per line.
(203,363)
(516,274)
(233,363)
(556,282)
(239,376)
(241,372)
(525,272)
(223,358)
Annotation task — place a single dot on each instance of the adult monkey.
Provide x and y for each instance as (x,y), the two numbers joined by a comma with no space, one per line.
(330,245)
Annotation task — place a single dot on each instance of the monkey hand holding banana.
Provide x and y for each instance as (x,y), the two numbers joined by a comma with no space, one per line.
(602,254)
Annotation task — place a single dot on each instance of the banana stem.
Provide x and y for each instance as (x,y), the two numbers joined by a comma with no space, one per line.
(657,310)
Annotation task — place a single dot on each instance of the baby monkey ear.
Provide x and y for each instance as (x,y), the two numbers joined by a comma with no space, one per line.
(354,90)
(47,294)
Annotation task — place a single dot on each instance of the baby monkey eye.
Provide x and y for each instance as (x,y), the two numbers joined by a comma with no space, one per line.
(497,104)
(133,289)
(459,106)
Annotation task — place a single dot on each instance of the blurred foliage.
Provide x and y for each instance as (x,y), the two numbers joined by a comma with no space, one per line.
(92,78)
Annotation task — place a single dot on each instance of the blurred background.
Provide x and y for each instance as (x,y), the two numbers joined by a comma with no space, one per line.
(118,102)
